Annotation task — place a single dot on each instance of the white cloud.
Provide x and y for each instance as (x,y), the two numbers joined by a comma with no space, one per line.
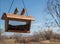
(37,24)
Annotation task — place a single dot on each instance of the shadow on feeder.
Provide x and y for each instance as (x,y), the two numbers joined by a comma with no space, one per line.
(15,17)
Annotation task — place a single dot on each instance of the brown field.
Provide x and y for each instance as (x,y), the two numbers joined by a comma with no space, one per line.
(12,41)
(48,37)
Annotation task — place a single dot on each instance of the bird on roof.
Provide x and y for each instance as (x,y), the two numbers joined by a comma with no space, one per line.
(23,11)
(16,11)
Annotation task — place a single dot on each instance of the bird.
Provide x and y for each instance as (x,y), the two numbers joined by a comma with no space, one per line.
(16,11)
(23,11)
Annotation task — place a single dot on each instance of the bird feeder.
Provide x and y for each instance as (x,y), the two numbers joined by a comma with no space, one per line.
(15,17)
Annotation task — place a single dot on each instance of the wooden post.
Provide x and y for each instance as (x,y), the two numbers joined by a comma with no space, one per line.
(6,24)
(28,26)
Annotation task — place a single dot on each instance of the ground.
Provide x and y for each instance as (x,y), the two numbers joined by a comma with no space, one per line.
(12,41)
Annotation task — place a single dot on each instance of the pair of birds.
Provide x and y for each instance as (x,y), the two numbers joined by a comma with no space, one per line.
(16,11)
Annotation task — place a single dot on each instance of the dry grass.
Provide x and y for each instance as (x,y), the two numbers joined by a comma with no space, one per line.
(45,37)
(12,41)
(9,41)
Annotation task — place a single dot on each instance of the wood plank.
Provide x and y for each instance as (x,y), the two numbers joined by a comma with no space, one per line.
(12,16)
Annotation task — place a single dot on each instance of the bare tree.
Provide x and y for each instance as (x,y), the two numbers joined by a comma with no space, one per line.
(54,10)
(0,34)
(1,37)
(48,34)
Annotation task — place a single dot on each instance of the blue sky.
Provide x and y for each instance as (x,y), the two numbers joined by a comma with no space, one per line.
(35,8)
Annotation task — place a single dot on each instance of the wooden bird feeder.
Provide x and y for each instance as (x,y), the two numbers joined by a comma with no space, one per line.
(15,17)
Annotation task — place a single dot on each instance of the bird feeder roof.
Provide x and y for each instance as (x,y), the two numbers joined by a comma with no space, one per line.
(16,17)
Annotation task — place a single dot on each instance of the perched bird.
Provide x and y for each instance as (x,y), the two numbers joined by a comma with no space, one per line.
(16,11)
(23,11)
